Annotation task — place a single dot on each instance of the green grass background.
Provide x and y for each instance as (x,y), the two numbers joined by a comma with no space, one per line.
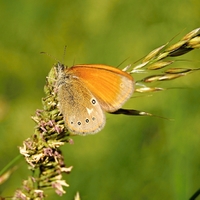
(132,157)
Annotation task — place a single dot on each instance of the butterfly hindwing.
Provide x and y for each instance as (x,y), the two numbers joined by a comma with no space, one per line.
(81,110)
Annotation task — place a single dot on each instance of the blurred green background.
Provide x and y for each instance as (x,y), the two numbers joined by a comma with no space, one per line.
(132,157)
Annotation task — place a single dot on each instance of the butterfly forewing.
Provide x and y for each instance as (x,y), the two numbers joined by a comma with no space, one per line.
(111,86)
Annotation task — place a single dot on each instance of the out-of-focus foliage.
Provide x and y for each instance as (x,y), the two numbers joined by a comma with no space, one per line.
(133,157)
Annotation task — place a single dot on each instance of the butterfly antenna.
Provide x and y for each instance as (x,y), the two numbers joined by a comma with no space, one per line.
(74,61)
(64,53)
(42,52)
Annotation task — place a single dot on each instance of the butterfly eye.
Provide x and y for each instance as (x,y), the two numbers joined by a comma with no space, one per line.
(67,76)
